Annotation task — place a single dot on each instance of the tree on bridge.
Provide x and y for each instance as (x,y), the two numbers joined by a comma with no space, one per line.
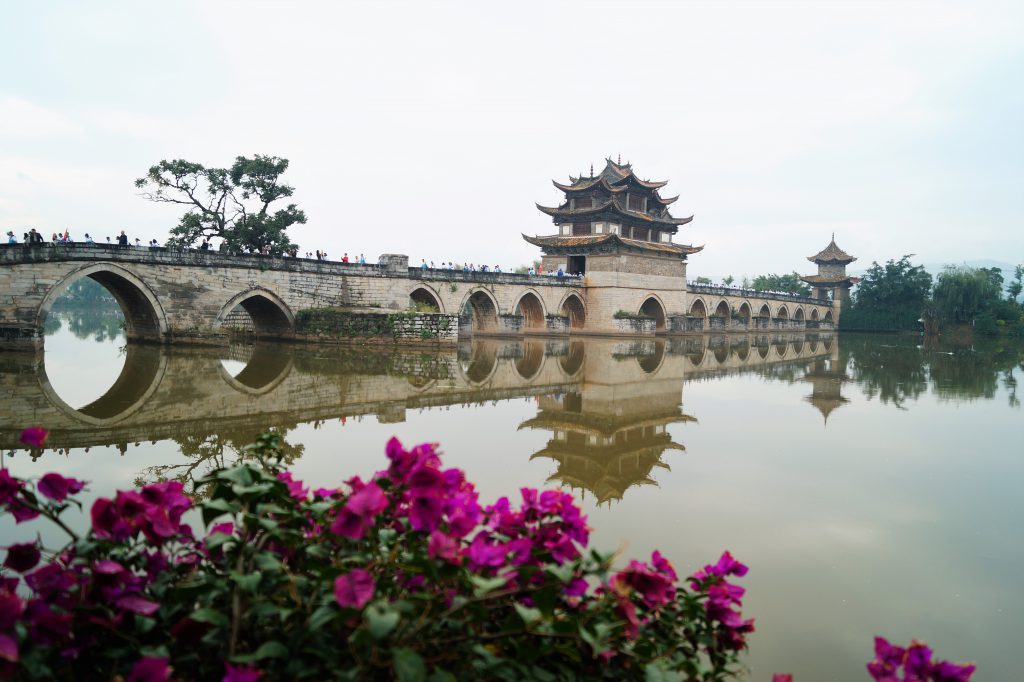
(790,283)
(232,204)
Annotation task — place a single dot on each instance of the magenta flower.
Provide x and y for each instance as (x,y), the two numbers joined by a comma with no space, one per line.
(34,436)
(443,546)
(782,677)
(107,522)
(11,608)
(356,517)
(240,674)
(8,649)
(895,664)
(9,487)
(22,557)
(295,487)
(56,487)
(354,590)
(150,669)
(137,604)
(654,588)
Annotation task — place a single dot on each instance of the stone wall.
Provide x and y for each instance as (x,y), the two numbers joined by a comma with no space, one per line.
(332,325)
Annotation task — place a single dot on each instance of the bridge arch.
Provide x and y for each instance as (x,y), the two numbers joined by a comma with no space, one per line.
(764,312)
(828,317)
(271,317)
(799,314)
(814,314)
(144,317)
(531,307)
(482,308)
(651,363)
(722,309)
(424,296)
(782,313)
(480,363)
(744,311)
(698,308)
(653,307)
(572,306)
(572,363)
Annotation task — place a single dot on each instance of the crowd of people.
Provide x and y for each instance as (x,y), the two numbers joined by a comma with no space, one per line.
(747,291)
(34,237)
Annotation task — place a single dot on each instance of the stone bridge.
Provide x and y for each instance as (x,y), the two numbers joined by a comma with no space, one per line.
(169,393)
(195,296)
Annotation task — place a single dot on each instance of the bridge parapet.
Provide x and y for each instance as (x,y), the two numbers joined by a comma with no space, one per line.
(740,292)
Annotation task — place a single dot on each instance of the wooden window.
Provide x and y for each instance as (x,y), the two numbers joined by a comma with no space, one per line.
(583,202)
(580,229)
(636,203)
(641,233)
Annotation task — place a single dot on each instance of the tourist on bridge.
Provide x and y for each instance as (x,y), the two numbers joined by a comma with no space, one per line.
(344,258)
(88,239)
(362,260)
(11,239)
(122,239)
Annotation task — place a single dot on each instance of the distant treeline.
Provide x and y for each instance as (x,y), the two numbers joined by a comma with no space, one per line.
(899,296)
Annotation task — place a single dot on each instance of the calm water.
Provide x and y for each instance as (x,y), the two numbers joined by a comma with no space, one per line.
(871,483)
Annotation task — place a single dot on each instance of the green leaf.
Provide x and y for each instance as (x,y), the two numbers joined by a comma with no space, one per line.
(322,616)
(528,614)
(217,539)
(656,672)
(247,582)
(211,616)
(240,475)
(214,508)
(269,649)
(441,676)
(564,573)
(409,667)
(266,561)
(484,585)
(380,620)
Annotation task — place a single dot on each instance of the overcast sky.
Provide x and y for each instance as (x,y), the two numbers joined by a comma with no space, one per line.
(432,128)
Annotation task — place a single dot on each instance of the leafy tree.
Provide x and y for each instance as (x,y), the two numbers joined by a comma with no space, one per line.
(230,203)
(962,294)
(728,280)
(889,297)
(790,283)
(1016,286)
(703,280)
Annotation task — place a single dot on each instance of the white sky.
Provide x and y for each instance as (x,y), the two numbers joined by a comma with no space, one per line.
(432,128)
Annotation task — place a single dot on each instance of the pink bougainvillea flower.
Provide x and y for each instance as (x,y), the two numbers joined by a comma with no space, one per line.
(9,487)
(577,587)
(137,604)
(782,677)
(22,557)
(945,671)
(356,517)
(726,566)
(443,547)
(34,436)
(354,590)
(8,648)
(295,487)
(240,674)
(150,669)
(11,608)
(56,487)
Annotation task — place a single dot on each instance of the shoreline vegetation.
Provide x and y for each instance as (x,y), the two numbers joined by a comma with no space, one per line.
(405,576)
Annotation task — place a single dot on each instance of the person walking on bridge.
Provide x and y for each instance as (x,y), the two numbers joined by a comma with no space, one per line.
(11,239)
(122,239)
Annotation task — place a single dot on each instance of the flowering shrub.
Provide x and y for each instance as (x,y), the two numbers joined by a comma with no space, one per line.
(404,576)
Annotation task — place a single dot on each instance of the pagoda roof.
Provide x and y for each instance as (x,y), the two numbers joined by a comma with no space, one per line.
(592,240)
(822,279)
(596,424)
(611,206)
(826,405)
(831,254)
(612,174)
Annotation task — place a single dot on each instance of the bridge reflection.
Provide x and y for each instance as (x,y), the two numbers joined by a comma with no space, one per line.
(607,403)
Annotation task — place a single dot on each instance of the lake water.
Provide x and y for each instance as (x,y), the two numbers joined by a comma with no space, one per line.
(871,483)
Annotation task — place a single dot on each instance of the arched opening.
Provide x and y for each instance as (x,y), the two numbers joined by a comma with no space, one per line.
(762,350)
(256,368)
(814,314)
(650,362)
(573,361)
(573,308)
(722,310)
(268,316)
(532,311)
(798,346)
(482,311)
(721,351)
(423,300)
(783,313)
(143,317)
(828,318)
(745,311)
(529,363)
(799,315)
(743,351)
(652,308)
(478,362)
(764,313)
(697,309)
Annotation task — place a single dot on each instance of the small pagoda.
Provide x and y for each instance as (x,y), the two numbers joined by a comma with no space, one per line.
(613,212)
(831,277)
(826,377)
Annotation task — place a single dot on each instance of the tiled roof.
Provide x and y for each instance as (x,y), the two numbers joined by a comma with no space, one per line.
(819,279)
(596,239)
(832,253)
(612,207)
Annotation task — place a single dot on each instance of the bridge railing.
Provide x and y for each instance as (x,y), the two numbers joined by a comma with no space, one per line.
(752,293)
(13,254)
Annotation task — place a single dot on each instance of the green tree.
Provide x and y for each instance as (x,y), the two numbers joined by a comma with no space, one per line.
(790,283)
(703,280)
(232,204)
(1016,286)
(893,297)
(728,280)
(963,294)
